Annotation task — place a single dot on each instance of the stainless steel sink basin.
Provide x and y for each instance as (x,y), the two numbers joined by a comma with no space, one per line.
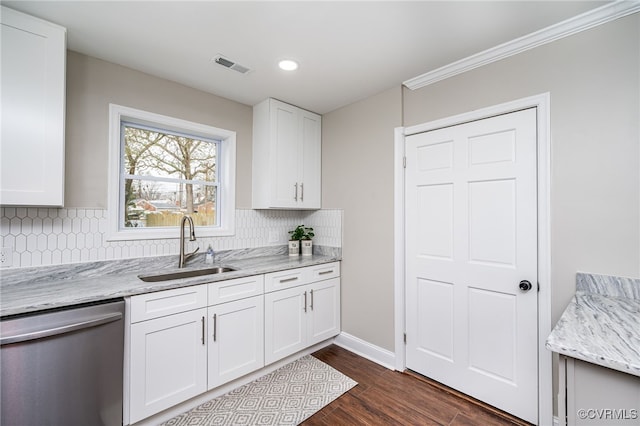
(188,273)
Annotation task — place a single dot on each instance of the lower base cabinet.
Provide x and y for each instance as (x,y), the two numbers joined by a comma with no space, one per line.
(299,317)
(168,362)
(188,340)
(597,396)
(236,340)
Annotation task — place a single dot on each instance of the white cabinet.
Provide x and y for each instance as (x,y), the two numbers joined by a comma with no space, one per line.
(596,395)
(185,341)
(168,352)
(302,307)
(286,157)
(236,333)
(33,111)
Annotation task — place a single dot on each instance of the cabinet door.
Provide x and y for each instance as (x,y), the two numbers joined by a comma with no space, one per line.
(285,323)
(236,339)
(323,311)
(33,93)
(168,362)
(309,174)
(285,150)
(600,396)
(286,157)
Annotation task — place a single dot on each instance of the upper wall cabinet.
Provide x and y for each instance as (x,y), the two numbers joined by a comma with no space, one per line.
(33,107)
(286,157)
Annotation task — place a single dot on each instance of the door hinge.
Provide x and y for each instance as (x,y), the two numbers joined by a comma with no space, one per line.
(404,162)
(405,338)
(538,287)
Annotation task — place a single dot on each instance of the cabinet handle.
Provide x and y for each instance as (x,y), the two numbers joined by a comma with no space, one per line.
(295,197)
(301,192)
(325,272)
(203,330)
(286,280)
(311,300)
(305,302)
(215,326)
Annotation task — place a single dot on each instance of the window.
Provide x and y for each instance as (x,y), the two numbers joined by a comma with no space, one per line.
(162,169)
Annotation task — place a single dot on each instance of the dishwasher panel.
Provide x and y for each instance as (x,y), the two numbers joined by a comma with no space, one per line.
(63,367)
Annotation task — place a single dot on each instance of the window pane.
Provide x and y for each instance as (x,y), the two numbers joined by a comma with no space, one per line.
(177,166)
(163,204)
(161,154)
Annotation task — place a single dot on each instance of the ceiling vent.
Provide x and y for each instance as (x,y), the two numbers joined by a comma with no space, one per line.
(228,63)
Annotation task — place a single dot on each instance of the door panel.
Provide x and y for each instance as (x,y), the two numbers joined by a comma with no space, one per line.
(471,237)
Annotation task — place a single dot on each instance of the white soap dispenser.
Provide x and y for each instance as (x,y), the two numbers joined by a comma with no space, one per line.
(208,258)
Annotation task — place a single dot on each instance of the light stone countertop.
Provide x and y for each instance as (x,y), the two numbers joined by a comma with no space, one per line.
(601,324)
(25,290)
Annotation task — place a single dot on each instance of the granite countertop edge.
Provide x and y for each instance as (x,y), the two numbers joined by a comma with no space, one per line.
(600,329)
(33,291)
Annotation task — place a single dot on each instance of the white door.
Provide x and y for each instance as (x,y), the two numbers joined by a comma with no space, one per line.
(168,362)
(236,339)
(285,322)
(471,238)
(286,156)
(310,161)
(323,310)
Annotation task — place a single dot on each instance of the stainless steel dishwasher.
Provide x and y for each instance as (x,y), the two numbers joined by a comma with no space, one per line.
(63,367)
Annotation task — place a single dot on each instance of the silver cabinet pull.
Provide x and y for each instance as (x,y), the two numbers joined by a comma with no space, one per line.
(311,300)
(215,326)
(301,191)
(305,301)
(203,330)
(295,197)
(287,280)
(325,272)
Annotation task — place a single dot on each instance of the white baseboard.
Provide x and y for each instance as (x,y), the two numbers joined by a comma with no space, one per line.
(367,350)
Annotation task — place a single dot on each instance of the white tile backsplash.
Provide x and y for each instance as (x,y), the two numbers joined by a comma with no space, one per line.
(48,236)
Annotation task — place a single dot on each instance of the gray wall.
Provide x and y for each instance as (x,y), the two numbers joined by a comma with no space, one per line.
(357,176)
(594,81)
(92,84)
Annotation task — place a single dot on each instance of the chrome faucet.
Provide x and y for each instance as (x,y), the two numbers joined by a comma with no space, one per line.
(192,237)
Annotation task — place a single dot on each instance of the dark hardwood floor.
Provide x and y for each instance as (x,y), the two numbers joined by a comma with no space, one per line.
(387,397)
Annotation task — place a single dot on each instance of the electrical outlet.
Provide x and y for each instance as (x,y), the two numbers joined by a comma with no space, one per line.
(273,237)
(6,256)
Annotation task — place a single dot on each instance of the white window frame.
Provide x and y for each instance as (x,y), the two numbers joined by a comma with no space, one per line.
(226,162)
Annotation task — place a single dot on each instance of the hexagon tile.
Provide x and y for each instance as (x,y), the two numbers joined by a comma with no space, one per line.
(46,236)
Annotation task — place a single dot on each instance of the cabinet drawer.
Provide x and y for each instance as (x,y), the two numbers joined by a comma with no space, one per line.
(239,288)
(325,271)
(286,279)
(167,302)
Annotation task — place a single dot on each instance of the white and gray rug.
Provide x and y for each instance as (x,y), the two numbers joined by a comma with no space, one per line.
(286,396)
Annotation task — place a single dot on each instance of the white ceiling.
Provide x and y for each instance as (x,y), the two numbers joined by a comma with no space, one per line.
(347,50)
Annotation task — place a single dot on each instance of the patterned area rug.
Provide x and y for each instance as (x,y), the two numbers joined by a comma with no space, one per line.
(286,396)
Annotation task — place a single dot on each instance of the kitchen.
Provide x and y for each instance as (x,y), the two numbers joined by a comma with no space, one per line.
(594,215)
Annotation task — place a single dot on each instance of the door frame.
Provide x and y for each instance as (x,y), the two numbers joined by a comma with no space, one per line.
(542,103)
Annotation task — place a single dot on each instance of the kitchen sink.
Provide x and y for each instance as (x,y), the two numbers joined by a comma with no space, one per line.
(176,275)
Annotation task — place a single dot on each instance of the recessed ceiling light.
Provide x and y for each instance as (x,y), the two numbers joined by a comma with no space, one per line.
(288,65)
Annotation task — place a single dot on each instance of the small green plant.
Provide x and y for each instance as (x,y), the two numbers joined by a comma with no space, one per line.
(301,233)
(308,234)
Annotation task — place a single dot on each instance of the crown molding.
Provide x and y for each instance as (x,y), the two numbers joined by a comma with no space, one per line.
(582,22)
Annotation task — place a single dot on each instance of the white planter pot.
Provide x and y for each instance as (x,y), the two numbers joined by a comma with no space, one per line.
(294,248)
(307,247)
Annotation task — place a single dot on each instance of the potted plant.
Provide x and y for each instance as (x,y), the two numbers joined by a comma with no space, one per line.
(301,237)
(294,240)
(306,243)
